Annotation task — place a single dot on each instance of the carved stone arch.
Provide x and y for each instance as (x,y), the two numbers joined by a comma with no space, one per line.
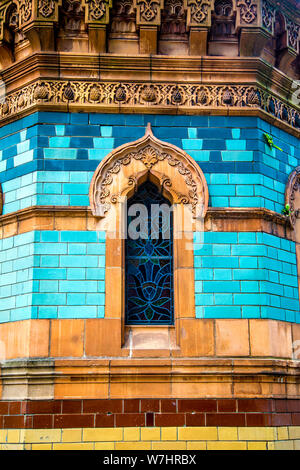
(181,181)
(171,168)
(292,198)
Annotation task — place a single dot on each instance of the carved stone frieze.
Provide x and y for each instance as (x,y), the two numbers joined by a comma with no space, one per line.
(46,8)
(167,95)
(248,11)
(148,12)
(97,11)
(293,31)
(199,12)
(173,18)
(123,17)
(268,15)
(25,10)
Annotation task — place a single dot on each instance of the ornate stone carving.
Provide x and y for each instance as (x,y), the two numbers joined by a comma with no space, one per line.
(123,17)
(138,95)
(98,11)
(293,30)
(150,152)
(173,18)
(72,17)
(268,15)
(25,10)
(199,12)
(46,8)
(248,11)
(223,20)
(292,195)
(148,11)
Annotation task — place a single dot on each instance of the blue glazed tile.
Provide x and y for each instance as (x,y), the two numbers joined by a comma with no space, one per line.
(79,118)
(222,274)
(98,154)
(76,273)
(81,311)
(45,298)
(251,312)
(214,145)
(223,299)
(204,274)
(215,156)
(76,299)
(95,299)
(192,132)
(79,236)
(236,145)
(106,131)
(221,286)
(236,133)
(60,153)
(49,261)
(82,142)
(82,131)
(192,144)
(78,286)
(49,273)
(95,273)
(75,188)
(47,312)
(107,119)
(238,156)
(54,118)
(222,312)
(204,299)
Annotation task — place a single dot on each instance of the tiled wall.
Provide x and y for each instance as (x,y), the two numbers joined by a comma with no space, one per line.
(48,274)
(58,153)
(49,159)
(245,275)
(204,424)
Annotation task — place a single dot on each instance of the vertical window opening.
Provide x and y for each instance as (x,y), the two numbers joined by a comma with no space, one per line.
(149,293)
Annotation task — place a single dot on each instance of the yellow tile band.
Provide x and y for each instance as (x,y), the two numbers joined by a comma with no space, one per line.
(156,438)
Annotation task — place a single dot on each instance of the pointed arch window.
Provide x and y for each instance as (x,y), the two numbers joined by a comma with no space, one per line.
(149,293)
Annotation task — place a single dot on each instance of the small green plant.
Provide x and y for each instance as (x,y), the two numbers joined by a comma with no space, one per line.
(287,210)
(269,140)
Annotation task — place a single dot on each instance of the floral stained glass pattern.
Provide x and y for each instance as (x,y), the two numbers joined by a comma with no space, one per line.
(149,259)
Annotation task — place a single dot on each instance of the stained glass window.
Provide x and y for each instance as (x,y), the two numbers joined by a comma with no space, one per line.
(149,259)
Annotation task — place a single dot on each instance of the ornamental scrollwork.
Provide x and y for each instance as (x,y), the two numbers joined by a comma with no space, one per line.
(293,34)
(248,11)
(25,10)
(133,95)
(98,10)
(150,152)
(268,15)
(46,8)
(292,188)
(148,9)
(199,11)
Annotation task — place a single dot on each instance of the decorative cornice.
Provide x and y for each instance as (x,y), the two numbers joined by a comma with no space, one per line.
(58,218)
(148,97)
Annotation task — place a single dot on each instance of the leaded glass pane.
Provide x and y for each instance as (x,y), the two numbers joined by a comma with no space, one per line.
(149,260)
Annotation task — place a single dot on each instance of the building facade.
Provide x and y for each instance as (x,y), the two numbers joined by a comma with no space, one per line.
(192,342)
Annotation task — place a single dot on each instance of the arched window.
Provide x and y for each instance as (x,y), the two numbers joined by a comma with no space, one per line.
(149,259)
